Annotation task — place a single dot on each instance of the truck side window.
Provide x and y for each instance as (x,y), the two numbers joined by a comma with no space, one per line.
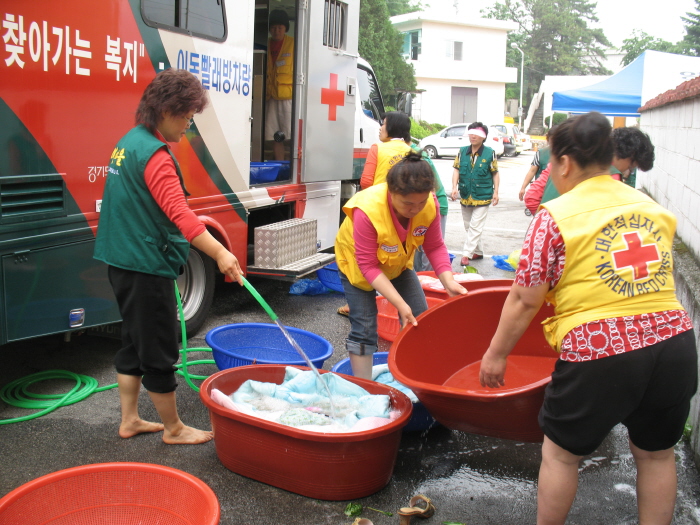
(334,23)
(202,18)
(370,96)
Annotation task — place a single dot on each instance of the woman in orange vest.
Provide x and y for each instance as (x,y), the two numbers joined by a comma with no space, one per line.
(375,247)
(601,253)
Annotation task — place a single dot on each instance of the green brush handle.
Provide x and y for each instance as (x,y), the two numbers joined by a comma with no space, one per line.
(259,298)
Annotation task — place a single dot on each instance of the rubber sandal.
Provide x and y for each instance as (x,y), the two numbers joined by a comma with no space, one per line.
(342,311)
(362,521)
(406,513)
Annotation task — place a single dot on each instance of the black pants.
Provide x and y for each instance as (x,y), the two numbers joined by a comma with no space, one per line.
(150,347)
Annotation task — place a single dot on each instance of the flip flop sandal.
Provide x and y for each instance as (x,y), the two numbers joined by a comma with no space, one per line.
(362,521)
(407,513)
(344,312)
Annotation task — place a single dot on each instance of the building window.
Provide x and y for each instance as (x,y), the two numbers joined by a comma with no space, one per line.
(411,44)
(453,50)
(334,22)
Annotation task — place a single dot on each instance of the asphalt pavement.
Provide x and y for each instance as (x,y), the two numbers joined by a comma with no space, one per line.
(471,479)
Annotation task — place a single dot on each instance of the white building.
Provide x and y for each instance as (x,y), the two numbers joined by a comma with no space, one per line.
(459,62)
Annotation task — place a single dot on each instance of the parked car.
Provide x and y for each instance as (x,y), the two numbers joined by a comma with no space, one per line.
(509,148)
(495,141)
(452,138)
(509,130)
(447,142)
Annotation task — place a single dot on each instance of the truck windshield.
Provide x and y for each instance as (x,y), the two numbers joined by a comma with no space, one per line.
(370,96)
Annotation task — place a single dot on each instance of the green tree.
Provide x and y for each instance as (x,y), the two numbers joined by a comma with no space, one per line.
(692,31)
(639,41)
(555,36)
(401,7)
(381,45)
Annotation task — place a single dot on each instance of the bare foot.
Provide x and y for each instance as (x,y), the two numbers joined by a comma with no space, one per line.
(127,430)
(187,436)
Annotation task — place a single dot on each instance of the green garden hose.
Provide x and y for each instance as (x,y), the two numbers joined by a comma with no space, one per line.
(18,394)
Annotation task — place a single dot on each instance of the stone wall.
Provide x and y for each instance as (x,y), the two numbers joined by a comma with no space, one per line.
(674,182)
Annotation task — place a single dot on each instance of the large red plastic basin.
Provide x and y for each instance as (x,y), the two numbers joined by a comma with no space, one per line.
(469,285)
(323,466)
(439,360)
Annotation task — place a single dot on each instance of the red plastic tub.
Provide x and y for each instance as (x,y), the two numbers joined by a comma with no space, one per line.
(332,467)
(469,285)
(112,494)
(388,325)
(449,387)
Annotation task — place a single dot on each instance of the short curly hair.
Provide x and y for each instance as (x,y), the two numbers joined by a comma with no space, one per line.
(175,91)
(633,143)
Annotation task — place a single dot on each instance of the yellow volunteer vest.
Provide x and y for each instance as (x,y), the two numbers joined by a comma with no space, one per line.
(393,257)
(618,256)
(388,154)
(280,73)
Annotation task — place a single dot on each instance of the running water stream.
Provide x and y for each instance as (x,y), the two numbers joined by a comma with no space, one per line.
(291,340)
(308,362)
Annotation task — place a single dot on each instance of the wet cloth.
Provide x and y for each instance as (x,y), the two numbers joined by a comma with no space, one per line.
(381,374)
(300,389)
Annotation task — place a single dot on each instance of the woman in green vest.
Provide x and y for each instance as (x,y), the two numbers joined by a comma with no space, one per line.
(144,235)
(602,254)
(475,182)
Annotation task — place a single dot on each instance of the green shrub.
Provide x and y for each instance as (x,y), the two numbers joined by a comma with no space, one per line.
(558,119)
(421,129)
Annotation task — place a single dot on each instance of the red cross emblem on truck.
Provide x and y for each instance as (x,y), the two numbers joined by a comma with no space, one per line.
(333,96)
(637,255)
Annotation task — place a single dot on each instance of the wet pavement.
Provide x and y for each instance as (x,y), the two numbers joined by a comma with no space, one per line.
(471,479)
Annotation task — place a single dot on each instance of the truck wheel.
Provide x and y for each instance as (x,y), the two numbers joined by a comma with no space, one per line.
(196,286)
(431,152)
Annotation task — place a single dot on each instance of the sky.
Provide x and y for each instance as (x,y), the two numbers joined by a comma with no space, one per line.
(618,18)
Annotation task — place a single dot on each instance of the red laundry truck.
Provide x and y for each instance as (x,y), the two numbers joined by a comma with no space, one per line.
(71,76)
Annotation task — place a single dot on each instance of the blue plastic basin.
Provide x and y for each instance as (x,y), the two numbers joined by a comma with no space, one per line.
(259,343)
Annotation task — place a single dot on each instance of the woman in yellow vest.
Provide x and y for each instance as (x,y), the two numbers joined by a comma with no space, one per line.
(395,131)
(374,249)
(279,83)
(601,253)
(395,136)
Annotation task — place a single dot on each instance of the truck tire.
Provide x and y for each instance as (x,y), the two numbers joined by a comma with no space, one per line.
(196,286)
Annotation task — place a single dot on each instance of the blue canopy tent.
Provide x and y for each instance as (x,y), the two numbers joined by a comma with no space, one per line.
(618,96)
(621,95)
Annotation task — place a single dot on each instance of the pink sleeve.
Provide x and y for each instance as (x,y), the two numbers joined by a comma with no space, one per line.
(164,184)
(365,237)
(533,195)
(434,245)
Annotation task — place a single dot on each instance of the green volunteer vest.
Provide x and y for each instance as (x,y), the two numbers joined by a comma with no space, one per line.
(475,182)
(440,191)
(133,233)
(544,160)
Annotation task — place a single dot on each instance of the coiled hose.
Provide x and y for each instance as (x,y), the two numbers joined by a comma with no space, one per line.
(18,393)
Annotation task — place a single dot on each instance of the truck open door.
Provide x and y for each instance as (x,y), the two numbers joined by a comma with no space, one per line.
(328,62)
